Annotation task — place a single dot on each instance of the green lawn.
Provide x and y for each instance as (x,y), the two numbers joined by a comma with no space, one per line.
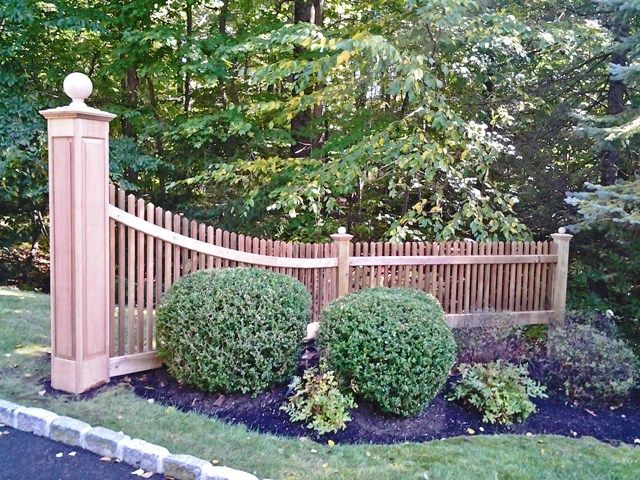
(24,335)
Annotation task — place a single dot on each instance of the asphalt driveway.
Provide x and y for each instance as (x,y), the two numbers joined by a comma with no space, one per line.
(24,456)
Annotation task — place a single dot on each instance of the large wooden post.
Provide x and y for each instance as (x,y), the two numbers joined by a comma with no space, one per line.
(560,275)
(78,195)
(343,246)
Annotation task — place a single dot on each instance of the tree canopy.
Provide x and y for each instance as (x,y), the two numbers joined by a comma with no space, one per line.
(409,119)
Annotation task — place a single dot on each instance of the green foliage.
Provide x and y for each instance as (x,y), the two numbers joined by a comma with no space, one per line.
(426,120)
(318,399)
(232,330)
(392,344)
(500,339)
(590,365)
(605,274)
(598,205)
(501,391)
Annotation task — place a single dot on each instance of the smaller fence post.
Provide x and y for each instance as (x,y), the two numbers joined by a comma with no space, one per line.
(559,293)
(78,138)
(342,241)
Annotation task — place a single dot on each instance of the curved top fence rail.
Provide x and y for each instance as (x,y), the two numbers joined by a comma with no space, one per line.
(205,248)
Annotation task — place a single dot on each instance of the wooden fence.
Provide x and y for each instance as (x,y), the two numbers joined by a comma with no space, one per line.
(114,255)
(150,249)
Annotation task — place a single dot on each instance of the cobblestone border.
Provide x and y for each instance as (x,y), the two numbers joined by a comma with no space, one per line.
(105,442)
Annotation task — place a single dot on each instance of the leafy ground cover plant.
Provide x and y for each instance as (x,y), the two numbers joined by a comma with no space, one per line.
(500,339)
(318,399)
(233,330)
(605,323)
(392,344)
(501,391)
(590,365)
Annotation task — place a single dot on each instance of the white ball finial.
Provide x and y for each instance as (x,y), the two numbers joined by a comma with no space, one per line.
(562,230)
(342,230)
(78,87)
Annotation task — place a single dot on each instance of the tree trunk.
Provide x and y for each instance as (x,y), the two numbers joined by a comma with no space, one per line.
(304,139)
(187,76)
(130,86)
(609,155)
(222,18)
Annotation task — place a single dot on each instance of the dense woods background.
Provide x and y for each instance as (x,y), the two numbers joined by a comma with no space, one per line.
(399,119)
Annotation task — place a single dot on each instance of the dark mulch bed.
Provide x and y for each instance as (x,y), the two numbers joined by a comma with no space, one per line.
(441,419)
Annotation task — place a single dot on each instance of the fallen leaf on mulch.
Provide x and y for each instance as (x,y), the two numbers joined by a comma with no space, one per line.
(138,472)
(105,459)
(72,454)
(147,475)
(590,412)
(219,401)
(59,455)
(471,431)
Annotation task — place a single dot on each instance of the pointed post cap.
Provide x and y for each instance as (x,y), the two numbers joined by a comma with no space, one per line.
(78,87)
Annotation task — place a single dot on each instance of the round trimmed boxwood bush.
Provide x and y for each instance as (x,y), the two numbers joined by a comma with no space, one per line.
(391,343)
(233,330)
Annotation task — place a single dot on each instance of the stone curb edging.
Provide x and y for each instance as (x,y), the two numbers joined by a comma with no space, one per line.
(105,442)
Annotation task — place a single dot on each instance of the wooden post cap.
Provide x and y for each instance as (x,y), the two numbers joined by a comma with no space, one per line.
(78,88)
(341,236)
(561,235)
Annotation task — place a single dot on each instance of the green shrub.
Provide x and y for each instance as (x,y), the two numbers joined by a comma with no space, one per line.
(233,330)
(604,323)
(591,365)
(392,344)
(317,398)
(499,339)
(500,390)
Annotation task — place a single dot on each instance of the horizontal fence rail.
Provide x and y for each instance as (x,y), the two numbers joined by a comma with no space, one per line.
(150,249)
